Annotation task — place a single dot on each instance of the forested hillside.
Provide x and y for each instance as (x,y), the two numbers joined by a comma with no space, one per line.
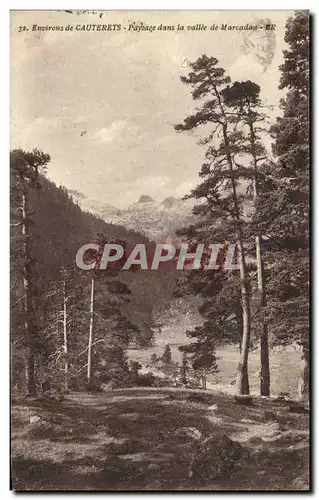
(44,243)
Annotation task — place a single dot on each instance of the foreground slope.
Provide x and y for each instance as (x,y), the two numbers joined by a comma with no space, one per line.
(144,439)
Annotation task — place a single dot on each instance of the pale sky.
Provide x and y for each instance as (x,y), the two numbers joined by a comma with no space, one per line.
(103,104)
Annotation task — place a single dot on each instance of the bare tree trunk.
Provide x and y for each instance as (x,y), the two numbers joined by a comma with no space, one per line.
(28,306)
(303,385)
(89,367)
(65,332)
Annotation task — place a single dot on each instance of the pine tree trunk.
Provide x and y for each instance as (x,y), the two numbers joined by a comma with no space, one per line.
(303,385)
(239,321)
(28,306)
(264,344)
(30,372)
(242,381)
(184,370)
(65,333)
(204,381)
(264,362)
(89,367)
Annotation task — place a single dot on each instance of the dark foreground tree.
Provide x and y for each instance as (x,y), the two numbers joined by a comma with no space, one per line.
(24,171)
(283,205)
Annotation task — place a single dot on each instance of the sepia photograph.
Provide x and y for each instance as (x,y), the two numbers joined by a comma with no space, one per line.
(159,250)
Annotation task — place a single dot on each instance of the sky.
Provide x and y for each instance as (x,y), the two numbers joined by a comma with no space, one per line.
(104,104)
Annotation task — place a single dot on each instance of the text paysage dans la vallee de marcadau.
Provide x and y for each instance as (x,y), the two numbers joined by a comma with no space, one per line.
(140,27)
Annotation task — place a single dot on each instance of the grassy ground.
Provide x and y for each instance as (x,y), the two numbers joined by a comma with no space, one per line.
(143,439)
(284,367)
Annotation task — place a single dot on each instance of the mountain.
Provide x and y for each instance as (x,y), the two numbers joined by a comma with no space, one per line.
(103,210)
(169,202)
(156,220)
(145,198)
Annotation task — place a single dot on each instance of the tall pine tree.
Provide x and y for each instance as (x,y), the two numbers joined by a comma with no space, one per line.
(25,168)
(221,202)
(244,98)
(283,206)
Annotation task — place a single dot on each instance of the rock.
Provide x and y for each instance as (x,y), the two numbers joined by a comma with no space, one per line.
(34,419)
(215,420)
(283,396)
(188,432)
(107,387)
(213,408)
(215,457)
(261,472)
(153,467)
(154,485)
(57,396)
